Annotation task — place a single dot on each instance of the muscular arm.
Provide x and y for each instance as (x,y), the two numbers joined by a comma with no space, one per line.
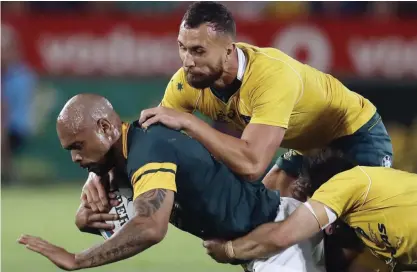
(271,238)
(248,156)
(147,228)
(224,128)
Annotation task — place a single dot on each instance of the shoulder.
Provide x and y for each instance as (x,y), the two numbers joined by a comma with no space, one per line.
(156,137)
(154,148)
(152,145)
(269,69)
(356,177)
(159,134)
(267,62)
(355,173)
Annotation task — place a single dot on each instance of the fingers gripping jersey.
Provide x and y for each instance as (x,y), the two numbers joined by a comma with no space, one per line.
(210,201)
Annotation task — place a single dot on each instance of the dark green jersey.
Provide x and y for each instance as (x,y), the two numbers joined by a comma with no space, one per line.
(210,201)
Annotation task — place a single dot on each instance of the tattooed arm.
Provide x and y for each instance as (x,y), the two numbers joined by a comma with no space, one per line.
(147,228)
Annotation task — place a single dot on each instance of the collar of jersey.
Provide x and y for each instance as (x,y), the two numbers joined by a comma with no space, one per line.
(241,59)
(125,129)
(225,94)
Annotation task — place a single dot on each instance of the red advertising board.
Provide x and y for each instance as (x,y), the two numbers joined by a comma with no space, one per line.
(137,46)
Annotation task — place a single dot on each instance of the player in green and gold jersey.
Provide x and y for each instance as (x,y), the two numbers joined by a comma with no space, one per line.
(174,179)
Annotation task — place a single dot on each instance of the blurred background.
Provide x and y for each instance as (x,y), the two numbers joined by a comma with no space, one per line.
(127,51)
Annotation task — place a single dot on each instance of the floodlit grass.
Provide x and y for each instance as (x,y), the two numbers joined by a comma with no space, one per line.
(49,213)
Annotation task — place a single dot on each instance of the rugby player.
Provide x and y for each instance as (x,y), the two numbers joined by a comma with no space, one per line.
(270,98)
(174,179)
(383,213)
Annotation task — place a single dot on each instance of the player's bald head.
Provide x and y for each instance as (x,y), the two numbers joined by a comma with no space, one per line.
(83,111)
(90,129)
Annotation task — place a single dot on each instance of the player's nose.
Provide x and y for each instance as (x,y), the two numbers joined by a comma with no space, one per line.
(76,157)
(188,60)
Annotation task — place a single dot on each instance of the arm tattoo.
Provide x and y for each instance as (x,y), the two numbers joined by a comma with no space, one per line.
(148,203)
(129,240)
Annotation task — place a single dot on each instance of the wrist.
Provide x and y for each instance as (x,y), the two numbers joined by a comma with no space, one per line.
(188,122)
(230,252)
(79,263)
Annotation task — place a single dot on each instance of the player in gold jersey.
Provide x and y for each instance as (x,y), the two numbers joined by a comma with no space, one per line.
(267,98)
(379,203)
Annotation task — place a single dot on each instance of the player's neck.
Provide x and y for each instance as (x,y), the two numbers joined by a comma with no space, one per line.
(229,73)
(120,160)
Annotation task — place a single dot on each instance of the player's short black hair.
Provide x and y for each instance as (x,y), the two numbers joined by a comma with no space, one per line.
(213,13)
(320,168)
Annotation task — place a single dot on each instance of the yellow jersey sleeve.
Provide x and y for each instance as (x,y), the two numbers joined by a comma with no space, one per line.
(344,192)
(275,96)
(178,94)
(154,176)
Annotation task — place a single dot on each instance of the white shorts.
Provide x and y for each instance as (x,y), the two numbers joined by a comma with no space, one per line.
(307,256)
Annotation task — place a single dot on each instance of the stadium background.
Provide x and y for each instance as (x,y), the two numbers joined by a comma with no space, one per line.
(127,51)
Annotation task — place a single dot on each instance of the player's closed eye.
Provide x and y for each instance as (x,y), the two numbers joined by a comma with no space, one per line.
(199,52)
(75,146)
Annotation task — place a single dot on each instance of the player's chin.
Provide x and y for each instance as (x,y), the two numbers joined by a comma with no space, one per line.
(102,167)
(198,82)
(99,170)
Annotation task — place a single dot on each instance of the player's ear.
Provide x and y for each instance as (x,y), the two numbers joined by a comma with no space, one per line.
(104,125)
(230,48)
